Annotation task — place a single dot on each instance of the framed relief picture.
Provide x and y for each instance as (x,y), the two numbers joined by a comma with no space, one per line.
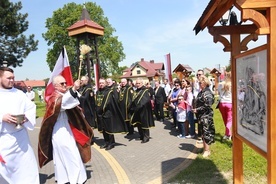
(251,85)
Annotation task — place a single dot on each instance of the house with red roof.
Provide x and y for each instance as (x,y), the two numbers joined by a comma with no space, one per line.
(34,84)
(146,70)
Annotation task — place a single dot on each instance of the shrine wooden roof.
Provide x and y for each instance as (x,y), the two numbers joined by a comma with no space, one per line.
(215,71)
(217,8)
(85,25)
(183,68)
(212,13)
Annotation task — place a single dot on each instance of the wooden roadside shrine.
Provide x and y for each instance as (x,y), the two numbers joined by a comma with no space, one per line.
(183,71)
(259,64)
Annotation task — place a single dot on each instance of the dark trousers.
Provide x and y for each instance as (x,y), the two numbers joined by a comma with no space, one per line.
(159,111)
(130,128)
(108,138)
(174,114)
(144,133)
(181,128)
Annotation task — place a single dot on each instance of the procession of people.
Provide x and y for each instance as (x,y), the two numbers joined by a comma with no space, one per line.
(74,112)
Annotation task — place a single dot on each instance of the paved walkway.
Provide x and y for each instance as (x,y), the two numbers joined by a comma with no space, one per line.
(132,162)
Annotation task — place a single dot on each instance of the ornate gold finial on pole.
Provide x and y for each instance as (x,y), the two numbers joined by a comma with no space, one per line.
(84,49)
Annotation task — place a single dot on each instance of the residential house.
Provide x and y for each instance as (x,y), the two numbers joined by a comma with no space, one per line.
(206,71)
(35,84)
(148,71)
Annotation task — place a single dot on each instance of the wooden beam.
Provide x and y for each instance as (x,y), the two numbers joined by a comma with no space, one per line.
(233,29)
(258,19)
(243,4)
(247,39)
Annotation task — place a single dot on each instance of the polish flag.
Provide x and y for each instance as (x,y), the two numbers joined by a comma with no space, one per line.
(62,67)
(96,74)
(168,68)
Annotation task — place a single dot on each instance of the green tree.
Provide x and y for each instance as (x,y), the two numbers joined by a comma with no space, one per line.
(110,50)
(117,76)
(14,46)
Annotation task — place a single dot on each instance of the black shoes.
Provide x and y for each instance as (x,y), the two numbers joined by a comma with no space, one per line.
(130,133)
(103,146)
(145,140)
(109,147)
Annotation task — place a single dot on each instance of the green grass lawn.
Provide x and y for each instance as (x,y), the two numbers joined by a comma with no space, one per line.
(217,169)
(40,107)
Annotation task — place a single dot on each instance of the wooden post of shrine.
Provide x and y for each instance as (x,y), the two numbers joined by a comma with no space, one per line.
(271,149)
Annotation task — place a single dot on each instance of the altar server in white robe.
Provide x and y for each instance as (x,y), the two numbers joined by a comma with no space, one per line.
(17,160)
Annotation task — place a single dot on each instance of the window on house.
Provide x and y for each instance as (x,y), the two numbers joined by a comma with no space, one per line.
(138,72)
(137,66)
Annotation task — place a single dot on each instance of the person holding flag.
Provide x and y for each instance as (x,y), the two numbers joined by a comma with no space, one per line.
(65,136)
(62,67)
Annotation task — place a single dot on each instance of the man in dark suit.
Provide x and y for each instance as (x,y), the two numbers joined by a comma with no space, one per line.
(159,99)
(87,101)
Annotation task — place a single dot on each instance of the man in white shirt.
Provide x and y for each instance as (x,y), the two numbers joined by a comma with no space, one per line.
(166,87)
(196,87)
(40,94)
(30,93)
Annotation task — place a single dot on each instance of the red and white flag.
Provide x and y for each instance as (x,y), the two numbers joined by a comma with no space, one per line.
(96,74)
(62,67)
(168,68)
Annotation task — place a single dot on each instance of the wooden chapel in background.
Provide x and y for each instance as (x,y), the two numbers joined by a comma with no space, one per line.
(262,13)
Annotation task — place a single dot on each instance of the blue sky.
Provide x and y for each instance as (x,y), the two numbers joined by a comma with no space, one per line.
(148,29)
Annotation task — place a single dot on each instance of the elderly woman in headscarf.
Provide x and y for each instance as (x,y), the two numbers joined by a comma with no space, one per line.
(204,102)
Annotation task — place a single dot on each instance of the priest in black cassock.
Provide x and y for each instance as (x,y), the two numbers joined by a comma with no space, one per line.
(141,110)
(109,117)
(125,98)
(87,101)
